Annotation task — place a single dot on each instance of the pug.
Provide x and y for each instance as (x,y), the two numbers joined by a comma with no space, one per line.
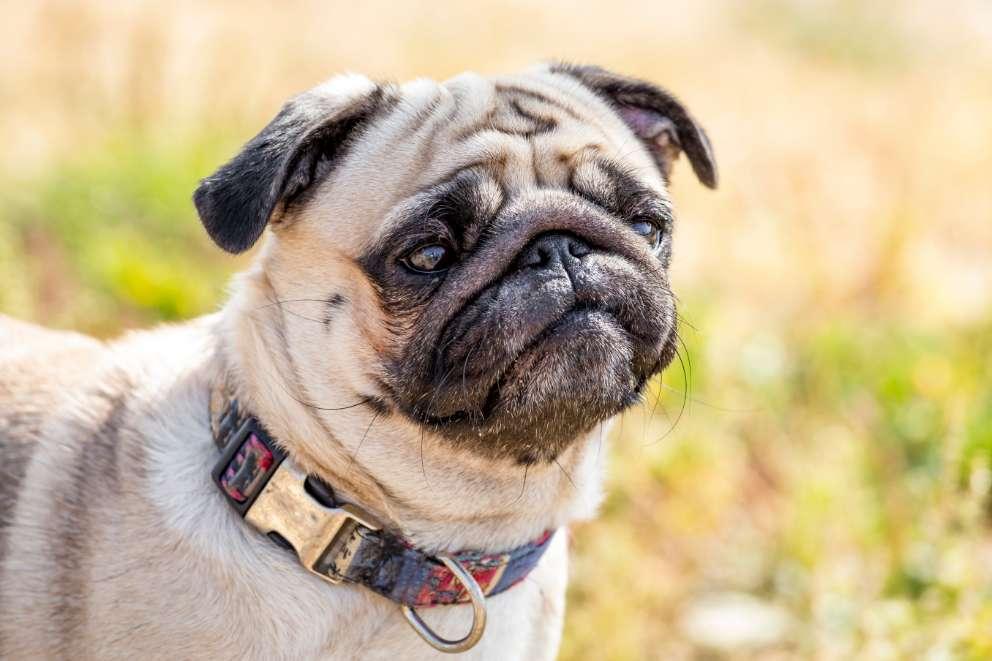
(375,448)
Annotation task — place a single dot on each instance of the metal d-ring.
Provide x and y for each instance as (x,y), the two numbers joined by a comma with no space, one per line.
(478,613)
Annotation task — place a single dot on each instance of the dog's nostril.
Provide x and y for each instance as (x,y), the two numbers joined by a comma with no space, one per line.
(578,248)
(550,249)
(542,256)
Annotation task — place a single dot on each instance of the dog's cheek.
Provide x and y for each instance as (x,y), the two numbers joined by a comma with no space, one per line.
(332,326)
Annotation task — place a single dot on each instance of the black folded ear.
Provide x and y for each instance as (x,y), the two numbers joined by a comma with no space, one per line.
(655,116)
(296,149)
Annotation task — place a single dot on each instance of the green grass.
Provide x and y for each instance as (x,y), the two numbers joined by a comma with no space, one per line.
(110,236)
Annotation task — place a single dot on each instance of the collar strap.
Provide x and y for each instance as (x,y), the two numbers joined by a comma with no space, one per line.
(339,541)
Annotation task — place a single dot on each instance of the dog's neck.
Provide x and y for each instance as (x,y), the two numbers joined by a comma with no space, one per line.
(439,497)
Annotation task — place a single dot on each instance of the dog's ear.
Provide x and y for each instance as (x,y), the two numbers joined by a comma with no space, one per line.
(655,116)
(293,152)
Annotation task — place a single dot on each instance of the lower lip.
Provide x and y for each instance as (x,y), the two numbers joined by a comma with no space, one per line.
(578,320)
(562,331)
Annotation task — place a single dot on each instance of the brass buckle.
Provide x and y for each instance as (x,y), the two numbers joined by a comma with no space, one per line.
(315,532)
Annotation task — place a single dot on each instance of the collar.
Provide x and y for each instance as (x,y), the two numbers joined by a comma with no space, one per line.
(341,543)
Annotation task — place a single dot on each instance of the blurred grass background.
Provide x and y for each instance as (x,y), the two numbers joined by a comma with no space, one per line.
(825,493)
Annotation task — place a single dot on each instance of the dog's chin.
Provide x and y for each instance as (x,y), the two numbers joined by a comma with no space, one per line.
(583,370)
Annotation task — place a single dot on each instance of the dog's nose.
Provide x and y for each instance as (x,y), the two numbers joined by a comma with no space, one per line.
(553,250)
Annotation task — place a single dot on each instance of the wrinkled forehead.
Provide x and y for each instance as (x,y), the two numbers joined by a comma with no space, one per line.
(526,132)
(530,130)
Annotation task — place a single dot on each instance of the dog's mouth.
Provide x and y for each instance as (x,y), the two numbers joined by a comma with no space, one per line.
(582,368)
(552,338)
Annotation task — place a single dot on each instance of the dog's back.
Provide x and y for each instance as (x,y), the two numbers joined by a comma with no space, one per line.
(38,367)
(38,362)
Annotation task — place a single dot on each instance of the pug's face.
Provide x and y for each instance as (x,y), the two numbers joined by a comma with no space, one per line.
(483,259)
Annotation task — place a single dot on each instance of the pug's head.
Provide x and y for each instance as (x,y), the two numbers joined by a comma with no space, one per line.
(484,259)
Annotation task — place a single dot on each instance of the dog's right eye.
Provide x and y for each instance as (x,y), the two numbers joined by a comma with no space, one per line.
(649,230)
(431,258)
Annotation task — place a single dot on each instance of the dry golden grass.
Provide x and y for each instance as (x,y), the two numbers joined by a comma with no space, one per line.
(825,494)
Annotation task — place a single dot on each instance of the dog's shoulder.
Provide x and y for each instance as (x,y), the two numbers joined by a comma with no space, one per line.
(23,332)
(36,365)
(28,350)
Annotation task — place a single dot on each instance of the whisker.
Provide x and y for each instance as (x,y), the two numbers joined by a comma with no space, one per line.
(423,464)
(685,398)
(364,400)
(277,301)
(688,358)
(599,442)
(465,364)
(565,473)
(685,322)
(304,317)
(354,455)
(657,400)
(523,486)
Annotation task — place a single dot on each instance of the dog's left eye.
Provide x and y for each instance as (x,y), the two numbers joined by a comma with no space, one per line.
(650,232)
(432,258)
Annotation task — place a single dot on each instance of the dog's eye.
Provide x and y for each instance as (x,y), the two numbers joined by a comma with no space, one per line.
(650,231)
(431,258)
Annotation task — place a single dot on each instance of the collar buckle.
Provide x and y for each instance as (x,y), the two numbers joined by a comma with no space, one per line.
(322,537)
(268,490)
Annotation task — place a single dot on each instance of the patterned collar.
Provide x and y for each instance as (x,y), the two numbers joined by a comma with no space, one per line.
(339,542)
